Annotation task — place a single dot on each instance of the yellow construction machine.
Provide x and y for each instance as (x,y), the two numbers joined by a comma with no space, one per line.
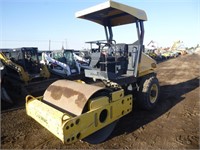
(88,111)
(23,72)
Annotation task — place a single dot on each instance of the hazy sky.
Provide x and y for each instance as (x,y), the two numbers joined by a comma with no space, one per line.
(35,22)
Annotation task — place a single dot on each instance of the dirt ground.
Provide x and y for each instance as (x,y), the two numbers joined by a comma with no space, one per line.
(173,124)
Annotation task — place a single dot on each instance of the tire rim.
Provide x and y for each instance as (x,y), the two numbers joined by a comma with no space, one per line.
(153,93)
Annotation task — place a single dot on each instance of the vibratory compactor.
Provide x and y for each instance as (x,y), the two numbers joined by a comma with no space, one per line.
(89,111)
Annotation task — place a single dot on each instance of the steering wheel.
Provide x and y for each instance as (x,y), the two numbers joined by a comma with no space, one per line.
(111,47)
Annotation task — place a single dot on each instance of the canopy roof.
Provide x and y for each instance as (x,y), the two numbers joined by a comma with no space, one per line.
(112,13)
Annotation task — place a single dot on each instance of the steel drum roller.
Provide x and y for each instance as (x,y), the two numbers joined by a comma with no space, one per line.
(72,97)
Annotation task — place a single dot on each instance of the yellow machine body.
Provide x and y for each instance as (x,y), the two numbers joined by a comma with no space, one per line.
(73,110)
(147,65)
(69,127)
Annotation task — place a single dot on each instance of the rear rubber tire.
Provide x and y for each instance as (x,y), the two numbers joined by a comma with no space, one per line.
(148,93)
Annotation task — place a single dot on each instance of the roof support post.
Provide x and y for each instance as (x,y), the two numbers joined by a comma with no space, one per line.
(106,32)
(109,33)
(140,32)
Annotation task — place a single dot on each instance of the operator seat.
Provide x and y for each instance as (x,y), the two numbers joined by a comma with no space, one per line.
(122,57)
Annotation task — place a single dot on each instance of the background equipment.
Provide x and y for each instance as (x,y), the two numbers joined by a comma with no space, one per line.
(23,73)
(65,63)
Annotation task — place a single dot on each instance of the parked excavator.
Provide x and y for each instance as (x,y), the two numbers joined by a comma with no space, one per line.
(3,93)
(74,110)
(23,74)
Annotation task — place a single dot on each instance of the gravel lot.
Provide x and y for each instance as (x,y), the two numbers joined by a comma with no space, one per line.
(173,124)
